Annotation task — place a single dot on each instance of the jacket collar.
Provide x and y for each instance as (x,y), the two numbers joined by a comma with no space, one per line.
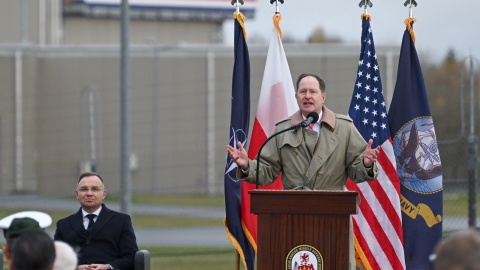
(328,118)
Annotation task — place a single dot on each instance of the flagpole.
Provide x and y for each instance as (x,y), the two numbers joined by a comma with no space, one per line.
(365,4)
(237,260)
(412,4)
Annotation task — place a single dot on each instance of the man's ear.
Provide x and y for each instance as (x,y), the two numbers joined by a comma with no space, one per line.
(6,252)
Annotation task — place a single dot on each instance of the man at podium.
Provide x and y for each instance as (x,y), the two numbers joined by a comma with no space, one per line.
(320,156)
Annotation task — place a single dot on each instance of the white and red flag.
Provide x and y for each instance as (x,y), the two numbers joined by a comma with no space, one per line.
(276,102)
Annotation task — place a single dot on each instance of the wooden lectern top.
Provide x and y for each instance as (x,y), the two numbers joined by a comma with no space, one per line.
(303,201)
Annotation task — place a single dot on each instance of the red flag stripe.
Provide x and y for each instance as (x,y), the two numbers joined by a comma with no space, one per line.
(385,220)
(363,244)
(378,224)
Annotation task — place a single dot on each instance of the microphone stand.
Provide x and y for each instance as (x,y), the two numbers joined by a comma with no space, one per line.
(295,127)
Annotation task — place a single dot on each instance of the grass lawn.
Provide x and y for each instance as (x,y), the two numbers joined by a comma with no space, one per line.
(457,204)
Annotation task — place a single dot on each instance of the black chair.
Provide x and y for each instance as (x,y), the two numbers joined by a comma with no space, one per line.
(142,260)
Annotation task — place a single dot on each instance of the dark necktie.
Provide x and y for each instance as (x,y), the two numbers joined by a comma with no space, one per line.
(90,221)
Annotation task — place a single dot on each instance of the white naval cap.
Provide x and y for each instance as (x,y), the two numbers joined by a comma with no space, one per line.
(44,220)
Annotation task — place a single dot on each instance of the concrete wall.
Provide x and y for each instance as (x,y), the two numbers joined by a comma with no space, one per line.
(171,146)
(80,30)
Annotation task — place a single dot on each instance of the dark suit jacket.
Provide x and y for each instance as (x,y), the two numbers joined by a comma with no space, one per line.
(111,241)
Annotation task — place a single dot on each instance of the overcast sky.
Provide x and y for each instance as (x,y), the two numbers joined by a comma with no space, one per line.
(440,24)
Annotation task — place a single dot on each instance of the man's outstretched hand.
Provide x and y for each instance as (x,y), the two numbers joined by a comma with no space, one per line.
(370,155)
(239,156)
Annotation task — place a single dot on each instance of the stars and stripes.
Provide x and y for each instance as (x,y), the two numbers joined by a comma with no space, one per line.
(377,226)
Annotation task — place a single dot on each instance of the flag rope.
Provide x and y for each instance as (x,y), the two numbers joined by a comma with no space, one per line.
(276,21)
(249,236)
(409,22)
(241,20)
(366,17)
(361,255)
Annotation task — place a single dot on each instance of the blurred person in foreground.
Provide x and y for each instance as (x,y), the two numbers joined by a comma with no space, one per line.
(459,251)
(105,239)
(65,257)
(320,157)
(32,250)
(15,225)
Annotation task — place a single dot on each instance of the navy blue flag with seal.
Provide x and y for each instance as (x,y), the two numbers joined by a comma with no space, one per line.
(417,160)
(239,124)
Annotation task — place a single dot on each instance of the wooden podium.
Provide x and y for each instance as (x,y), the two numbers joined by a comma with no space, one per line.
(289,219)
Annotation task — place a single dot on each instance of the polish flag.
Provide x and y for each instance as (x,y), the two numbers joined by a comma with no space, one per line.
(276,102)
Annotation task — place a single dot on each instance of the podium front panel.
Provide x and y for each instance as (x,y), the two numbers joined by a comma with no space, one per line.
(287,219)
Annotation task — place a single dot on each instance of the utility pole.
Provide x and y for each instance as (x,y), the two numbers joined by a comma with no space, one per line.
(472,141)
(125,173)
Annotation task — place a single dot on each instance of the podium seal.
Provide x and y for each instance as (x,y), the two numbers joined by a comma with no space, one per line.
(304,257)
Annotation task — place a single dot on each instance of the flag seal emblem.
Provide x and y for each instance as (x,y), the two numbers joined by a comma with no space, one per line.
(304,257)
(418,164)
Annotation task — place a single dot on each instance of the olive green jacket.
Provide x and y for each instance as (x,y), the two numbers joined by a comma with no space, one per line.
(308,163)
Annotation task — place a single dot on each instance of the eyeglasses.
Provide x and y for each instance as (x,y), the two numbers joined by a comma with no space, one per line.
(93,189)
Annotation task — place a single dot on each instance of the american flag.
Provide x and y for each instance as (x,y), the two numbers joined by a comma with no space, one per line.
(377,226)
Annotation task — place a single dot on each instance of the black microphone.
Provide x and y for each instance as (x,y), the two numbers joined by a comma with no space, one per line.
(312,117)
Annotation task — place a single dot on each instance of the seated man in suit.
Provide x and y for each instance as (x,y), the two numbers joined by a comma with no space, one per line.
(105,238)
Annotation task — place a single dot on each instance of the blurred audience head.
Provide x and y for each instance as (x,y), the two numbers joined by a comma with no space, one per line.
(32,250)
(65,257)
(459,251)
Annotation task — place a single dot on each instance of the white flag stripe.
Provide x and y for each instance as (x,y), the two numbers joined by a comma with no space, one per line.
(388,149)
(382,203)
(374,246)
(381,216)
(277,87)
(389,189)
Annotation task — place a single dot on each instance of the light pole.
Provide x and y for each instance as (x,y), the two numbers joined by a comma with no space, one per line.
(155,116)
(472,141)
(125,138)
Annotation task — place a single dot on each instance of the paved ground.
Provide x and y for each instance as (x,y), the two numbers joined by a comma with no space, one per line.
(196,236)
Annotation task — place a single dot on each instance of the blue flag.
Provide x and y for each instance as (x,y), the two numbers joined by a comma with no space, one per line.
(418,160)
(239,123)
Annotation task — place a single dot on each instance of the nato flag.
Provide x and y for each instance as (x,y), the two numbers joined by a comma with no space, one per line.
(239,123)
